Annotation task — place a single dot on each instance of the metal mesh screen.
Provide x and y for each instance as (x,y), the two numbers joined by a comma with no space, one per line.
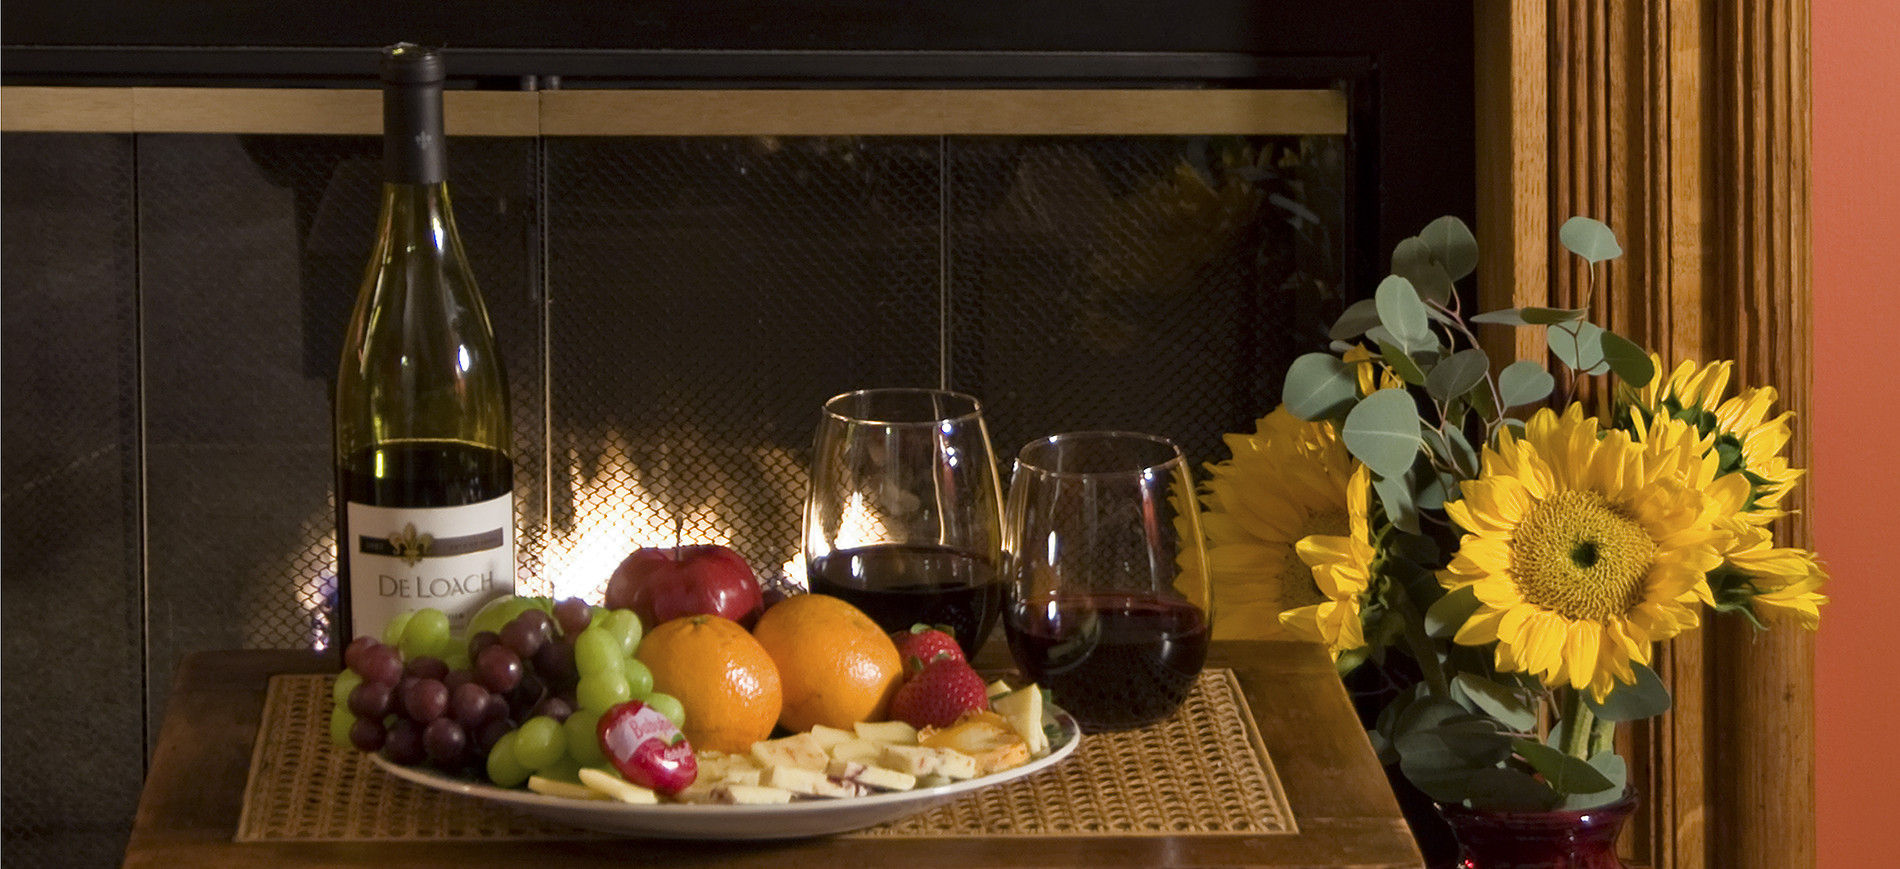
(707,295)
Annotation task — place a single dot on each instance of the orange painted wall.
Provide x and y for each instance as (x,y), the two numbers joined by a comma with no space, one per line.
(1856,427)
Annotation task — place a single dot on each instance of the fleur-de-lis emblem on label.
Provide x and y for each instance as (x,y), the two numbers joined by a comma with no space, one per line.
(410,546)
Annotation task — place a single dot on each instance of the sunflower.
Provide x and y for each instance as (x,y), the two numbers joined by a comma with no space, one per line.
(1584,548)
(1369,372)
(1342,569)
(1286,481)
(1743,436)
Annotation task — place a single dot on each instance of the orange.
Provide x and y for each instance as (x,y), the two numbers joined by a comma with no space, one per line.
(721,676)
(838,666)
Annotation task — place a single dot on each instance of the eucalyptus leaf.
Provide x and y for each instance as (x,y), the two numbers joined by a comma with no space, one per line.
(1579,346)
(1498,701)
(1382,431)
(1589,238)
(1462,453)
(1529,316)
(1524,382)
(1613,768)
(1453,245)
(1629,361)
(1319,386)
(1357,318)
(1402,363)
(1457,374)
(1551,316)
(1414,260)
(1505,789)
(1647,698)
(1395,495)
(1402,313)
(1445,617)
(1442,760)
(1432,494)
(1423,714)
(1338,346)
(1564,774)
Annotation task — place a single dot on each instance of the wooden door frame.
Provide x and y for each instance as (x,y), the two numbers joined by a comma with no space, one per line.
(1685,125)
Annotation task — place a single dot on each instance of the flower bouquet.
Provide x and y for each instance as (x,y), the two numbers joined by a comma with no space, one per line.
(1513,544)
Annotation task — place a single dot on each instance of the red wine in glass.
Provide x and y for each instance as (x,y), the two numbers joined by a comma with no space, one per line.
(1115,661)
(899,585)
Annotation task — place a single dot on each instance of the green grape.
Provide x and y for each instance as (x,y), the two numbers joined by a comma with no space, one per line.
(346,682)
(392,632)
(539,742)
(639,678)
(340,723)
(565,768)
(597,650)
(503,767)
(667,705)
(426,633)
(457,658)
(601,691)
(583,737)
(626,626)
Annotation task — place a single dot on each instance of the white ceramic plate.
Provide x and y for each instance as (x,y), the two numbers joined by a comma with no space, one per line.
(817,817)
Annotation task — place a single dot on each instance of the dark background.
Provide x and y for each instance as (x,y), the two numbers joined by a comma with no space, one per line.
(173,304)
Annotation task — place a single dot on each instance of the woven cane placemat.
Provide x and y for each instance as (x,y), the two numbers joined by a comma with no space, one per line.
(1206,771)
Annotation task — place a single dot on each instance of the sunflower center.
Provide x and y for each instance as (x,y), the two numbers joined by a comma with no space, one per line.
(1581,556)
(1297,579)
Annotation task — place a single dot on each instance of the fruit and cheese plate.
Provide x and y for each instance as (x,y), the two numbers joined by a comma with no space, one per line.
(674,711)
(798,817)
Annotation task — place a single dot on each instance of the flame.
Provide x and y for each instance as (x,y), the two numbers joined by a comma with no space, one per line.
(614,515)
(858,526)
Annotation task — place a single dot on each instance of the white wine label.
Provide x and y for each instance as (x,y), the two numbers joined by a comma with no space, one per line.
(449,558)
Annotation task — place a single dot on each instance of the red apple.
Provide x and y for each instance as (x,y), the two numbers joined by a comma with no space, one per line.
(664,584)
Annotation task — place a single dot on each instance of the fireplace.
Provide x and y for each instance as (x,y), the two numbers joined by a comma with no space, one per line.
(673,303)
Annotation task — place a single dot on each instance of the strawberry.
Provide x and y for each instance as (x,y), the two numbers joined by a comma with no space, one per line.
(923,644)
(940,694)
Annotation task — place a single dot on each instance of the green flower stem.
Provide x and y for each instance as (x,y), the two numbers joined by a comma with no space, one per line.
(1582,722)
(1602,736)
(1420,643)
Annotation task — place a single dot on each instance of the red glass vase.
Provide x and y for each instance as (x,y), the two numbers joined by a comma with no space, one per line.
(1568,839)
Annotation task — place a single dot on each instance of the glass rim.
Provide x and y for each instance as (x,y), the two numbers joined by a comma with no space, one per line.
(1176,458)
(974,411)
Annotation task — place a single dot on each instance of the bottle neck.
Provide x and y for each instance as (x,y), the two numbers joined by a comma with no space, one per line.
(413,148)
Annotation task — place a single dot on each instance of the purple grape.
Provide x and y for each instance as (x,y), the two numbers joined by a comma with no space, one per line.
(555,663)
(538,621)
(469,704)
(498,668)
(488,734)
(457,678)
(424,700)
(426,667)
(367,734)
(497,708)
(354,651)
(404,744)
(379,663)
(526,697)
(523,637)
(574,615)
(481,640)
(554,707)
(445,742)
(372,700)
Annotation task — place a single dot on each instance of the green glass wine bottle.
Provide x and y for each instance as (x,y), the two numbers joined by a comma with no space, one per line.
(425,474)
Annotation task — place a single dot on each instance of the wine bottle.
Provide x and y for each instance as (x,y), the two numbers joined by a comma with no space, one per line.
(425,477)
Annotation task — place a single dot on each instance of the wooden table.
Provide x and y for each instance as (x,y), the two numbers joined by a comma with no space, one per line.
(1341,802)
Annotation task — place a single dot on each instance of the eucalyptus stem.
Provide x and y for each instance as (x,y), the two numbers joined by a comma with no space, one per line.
(1581,723)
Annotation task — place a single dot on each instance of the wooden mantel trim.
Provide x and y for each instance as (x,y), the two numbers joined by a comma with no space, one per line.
(1684,124)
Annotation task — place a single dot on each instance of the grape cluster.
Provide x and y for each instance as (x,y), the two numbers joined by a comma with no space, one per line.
(521,695)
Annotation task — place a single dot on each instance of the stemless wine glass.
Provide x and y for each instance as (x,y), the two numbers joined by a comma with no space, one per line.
(904,515)
(1109,604)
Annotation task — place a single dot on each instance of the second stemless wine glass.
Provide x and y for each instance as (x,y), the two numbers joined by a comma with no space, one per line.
(1109,604)
(904,514)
